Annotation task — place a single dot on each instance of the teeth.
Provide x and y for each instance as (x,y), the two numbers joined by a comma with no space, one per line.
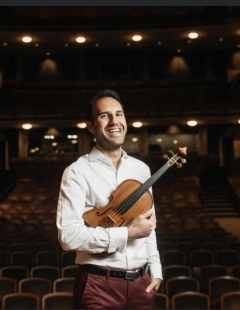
(116,130)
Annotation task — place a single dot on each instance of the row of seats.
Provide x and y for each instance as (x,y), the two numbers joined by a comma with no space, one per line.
(43,282)
(196,300)
(57,300)
(41,287)
(200,257)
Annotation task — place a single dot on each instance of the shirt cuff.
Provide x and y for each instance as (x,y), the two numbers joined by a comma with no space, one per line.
(155,271)
(118,239)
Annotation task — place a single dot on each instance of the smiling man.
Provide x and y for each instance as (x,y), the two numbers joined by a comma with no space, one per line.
(119,267)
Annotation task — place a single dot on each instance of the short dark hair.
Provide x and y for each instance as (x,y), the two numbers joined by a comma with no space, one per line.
(101,94)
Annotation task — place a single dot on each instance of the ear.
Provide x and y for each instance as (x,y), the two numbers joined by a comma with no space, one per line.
(90,127)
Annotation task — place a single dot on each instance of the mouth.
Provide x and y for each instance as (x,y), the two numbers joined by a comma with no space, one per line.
(114,131)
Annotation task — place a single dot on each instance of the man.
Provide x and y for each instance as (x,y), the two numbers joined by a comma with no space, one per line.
(119,267)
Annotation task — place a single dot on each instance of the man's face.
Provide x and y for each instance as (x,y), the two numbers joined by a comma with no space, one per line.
(109,124)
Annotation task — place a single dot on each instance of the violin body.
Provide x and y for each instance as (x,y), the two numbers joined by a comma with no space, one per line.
(112,215)
(130,199)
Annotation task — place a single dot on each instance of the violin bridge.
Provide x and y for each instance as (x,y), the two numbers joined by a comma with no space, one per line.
(111,219)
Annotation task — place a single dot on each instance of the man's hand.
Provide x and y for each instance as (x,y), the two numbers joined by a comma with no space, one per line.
(142,225)
(155,284)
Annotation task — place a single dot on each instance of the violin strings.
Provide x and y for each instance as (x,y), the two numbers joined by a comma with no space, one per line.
(129,201)
(141,190)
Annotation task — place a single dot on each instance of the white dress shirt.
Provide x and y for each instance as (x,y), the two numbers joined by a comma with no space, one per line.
(88,182)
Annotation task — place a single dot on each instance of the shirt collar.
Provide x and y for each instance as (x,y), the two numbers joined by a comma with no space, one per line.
(95,154)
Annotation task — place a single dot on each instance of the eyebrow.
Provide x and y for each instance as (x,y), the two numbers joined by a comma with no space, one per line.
(107,112)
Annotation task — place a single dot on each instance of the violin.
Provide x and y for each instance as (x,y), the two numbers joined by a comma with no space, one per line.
(131,198)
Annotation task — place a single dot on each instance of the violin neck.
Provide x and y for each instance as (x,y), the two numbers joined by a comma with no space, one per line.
(130,200)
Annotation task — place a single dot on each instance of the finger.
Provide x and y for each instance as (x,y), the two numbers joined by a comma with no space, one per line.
(148,213)
(150,287)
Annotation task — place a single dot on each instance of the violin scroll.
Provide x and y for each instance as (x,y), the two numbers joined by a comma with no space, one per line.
(176,158)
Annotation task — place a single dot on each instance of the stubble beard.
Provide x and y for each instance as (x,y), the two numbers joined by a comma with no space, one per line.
(108,144)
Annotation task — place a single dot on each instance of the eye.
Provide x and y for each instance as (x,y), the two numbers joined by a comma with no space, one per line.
(104,115)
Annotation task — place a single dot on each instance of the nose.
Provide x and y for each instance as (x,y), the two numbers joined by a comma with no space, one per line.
(113,120)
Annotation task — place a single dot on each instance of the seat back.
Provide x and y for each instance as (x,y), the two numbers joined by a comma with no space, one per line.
(190,300)
(173,257)
(230,300)
(220,285)
(69,271)
(200,258)
(38,286)
(67,258)
(20,301)
(63,285)
(46,258)
(14,272)
(210,271)
(7,286)
(161,301)
(227,257)
(181,284)
(58,300)
(48,272)
(22,258)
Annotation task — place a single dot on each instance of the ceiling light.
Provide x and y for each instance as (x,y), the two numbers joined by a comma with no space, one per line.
(27,126)
(134,139)
(137,37)
(192,123)
(137,124)
(80,39)
(239,121)
(193,35)
(81,125)
(26,39)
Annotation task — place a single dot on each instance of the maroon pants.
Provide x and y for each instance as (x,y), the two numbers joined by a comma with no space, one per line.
(99,292)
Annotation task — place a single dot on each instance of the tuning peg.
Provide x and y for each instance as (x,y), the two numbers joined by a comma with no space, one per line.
(183,160)
(179,165)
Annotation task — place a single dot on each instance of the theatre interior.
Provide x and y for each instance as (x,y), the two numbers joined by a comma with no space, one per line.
(177,70)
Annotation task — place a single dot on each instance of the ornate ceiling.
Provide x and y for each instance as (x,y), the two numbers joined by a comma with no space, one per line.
(207,95)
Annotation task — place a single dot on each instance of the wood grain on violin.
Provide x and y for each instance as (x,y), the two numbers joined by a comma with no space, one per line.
(131,198)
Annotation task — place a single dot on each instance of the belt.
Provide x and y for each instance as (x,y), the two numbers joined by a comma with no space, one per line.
(107,272)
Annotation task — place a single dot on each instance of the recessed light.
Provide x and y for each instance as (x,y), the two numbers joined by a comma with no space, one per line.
(193,35)
(80,39)
(136,38)
(81,125)
(137,124)
(192,123)
(26,39)
(26,126)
